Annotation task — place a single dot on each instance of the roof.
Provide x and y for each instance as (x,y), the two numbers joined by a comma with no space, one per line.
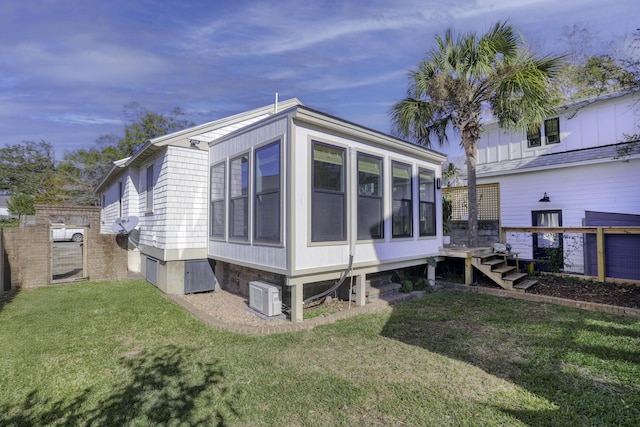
(203,132)
(562,159)
(305,114)
(310,115)
(228,126)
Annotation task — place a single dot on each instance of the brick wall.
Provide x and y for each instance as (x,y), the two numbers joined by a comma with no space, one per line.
(235,278)
(28,249)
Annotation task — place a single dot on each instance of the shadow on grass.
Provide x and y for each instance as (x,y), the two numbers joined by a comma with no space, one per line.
(585,364)
(7,296)
(164,387)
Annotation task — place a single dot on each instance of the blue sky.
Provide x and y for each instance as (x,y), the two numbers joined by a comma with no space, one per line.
(67,68)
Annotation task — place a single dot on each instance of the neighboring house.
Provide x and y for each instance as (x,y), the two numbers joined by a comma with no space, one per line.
(576,169)
(286,195)
(4,205)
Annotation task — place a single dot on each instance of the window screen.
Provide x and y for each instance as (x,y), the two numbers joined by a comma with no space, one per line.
(427,195)
(267,176)
(370,213)
(217,200)
(328,207)
(402,206)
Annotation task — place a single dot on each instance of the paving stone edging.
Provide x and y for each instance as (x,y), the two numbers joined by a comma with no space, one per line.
(592,306)
(381,304)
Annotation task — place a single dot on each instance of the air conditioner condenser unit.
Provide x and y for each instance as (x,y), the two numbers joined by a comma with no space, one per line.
(265,298)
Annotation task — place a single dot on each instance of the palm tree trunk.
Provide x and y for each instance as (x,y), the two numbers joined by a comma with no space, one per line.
(471,148)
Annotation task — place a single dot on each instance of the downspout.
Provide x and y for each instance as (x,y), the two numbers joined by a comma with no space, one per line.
(352,224)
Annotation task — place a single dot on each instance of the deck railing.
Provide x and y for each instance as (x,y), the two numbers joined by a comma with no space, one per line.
(600,233)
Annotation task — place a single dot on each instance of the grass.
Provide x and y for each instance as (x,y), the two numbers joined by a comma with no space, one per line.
(119,353)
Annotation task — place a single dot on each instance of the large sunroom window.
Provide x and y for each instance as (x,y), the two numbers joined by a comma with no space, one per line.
(217,200)
(267,193)
(328,203)
(239,197)
(427,202)
(370,210)
(402,208)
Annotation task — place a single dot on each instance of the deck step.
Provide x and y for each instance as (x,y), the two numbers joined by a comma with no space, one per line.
(525,284)
(486,256)
(494,261)
(384,291)
(503,269)
(515,276)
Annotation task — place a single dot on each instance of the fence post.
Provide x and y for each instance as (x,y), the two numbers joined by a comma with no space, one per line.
(600,250)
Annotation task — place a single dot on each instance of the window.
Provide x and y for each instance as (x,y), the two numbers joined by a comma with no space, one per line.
(402,208)
(548,246)
(534,139)
(239,197)
(120,199)
(149,199)
(427,201)
(328,207)
(267,193)
(370,214)
(217,200)
(552,130)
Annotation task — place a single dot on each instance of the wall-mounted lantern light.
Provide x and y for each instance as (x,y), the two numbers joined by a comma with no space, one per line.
(545,198)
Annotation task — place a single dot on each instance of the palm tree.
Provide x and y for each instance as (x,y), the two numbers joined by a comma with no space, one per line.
(466,76)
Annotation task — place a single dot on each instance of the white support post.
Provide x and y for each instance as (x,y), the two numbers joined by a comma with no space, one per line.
(296,302)
(431,275)
(361,291)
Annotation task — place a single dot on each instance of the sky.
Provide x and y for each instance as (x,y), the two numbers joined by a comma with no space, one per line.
(69,67)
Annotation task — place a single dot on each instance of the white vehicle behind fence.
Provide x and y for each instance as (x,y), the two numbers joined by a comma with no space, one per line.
(59,233)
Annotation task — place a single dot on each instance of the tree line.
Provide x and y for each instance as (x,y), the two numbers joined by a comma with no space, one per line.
(29,172)
(462,76)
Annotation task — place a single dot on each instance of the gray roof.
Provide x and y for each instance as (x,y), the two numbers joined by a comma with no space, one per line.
(562,159)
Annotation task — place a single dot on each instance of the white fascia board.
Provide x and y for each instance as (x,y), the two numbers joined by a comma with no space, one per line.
(114,171)
(196,131)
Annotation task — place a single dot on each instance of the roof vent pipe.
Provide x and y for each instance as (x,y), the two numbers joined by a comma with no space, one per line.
(276,106)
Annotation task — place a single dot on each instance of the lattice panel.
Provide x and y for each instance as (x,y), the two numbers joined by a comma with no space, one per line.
(488,202)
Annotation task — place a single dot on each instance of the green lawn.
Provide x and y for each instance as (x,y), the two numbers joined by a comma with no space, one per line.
(119,353)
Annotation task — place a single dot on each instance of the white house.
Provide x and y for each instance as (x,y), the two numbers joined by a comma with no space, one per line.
(579,167)
(284,194)
(164,185)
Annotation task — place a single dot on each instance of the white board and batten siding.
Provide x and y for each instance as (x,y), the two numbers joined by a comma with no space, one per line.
(311,256)
(268,256)
(587,125)
(579,182)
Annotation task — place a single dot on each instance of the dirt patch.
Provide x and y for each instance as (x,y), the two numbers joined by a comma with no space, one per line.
(621,295)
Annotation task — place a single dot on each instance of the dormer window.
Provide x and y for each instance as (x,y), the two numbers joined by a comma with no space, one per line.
(551,133)
(552,130)
(534,139)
